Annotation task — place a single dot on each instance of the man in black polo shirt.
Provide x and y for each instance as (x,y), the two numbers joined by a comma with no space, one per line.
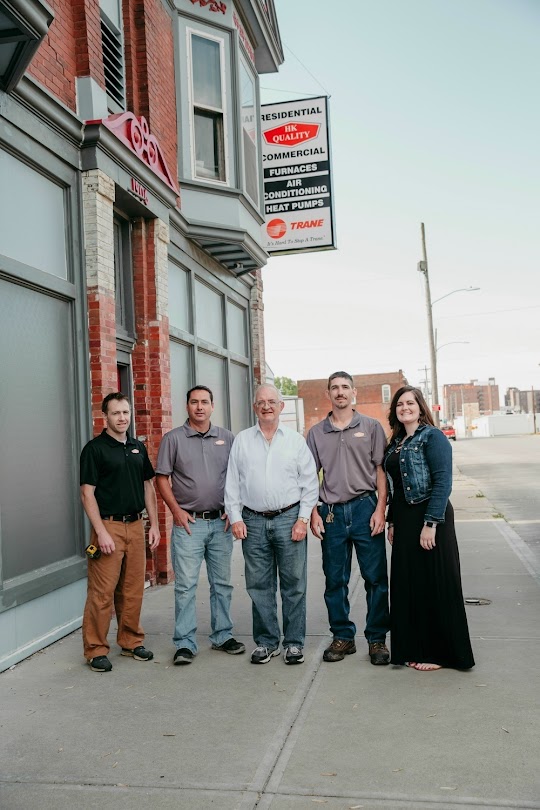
(116,486)
(195,457)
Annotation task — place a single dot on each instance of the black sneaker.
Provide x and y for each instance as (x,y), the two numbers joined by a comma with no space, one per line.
(100,664)
(138,653)
(262,655)
(378,653)
(231,646)
(183,656)
(293,655)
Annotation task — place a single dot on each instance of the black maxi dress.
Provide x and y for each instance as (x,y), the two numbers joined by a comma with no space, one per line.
(428,623)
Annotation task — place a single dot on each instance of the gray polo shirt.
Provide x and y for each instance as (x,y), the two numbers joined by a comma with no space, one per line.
(197,465)
(348,458)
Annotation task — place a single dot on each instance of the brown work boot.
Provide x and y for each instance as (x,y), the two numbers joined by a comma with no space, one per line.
(378,653)
(339,648)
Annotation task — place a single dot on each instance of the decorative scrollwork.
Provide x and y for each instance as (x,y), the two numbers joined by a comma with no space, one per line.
(135,134)
(213,5)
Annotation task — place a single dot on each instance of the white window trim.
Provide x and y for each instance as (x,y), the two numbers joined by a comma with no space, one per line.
(256,112)
(204,35)
(385,387)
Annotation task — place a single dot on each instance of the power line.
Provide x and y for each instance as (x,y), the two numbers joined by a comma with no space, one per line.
(308,70)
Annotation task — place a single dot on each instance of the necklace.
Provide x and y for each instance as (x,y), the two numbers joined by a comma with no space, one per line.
(399,446)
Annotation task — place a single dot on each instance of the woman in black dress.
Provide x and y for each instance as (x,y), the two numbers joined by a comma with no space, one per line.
(427,614)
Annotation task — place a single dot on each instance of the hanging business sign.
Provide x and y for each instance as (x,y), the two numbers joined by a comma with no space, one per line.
(297,176)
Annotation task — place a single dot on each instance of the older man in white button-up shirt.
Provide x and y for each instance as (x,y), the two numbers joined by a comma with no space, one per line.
(271,488)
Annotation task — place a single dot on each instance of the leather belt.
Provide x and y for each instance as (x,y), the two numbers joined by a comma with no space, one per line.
(358,497)
(208,514)
(276,512)
(124,518)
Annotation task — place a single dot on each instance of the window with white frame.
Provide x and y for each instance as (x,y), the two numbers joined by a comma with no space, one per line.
(386,393)
(208,107)
(249,133)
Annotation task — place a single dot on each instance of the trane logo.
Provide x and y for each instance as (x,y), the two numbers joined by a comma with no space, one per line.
(308,223)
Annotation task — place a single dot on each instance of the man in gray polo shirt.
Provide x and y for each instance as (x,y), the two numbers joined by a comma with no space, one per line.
(349,448)
(195,457)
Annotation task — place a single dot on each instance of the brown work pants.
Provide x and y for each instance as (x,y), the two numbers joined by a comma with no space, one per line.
(115,578)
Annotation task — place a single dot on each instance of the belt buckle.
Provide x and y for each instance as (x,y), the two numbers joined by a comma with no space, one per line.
(125,518)
(206,512)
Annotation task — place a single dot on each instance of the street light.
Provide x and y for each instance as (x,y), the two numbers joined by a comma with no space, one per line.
(461,289)
(451,343)
(423,268)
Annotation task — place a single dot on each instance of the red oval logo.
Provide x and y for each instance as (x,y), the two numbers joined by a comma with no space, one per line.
(276,228)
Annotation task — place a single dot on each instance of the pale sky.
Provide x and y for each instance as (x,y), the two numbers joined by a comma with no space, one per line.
(435,118)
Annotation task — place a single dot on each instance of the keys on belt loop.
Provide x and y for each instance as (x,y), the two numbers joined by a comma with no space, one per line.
(330,515)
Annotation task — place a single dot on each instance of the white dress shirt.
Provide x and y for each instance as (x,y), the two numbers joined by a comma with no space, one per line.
(265,476)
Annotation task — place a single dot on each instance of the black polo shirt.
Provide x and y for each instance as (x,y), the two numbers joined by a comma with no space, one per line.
(118,472)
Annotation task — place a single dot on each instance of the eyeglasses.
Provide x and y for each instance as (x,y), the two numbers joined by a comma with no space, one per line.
(270,403)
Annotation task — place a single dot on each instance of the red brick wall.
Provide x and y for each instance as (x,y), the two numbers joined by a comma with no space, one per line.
(151,379)
(368,398)
(73,48)
(55,63)
(150,85)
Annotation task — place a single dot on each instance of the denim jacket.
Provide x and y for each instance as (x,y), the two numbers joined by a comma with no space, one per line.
(426,470)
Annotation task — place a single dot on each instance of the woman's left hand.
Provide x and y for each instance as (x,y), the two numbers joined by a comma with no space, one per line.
(427,538)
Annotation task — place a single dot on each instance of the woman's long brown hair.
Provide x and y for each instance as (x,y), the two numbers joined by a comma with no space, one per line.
(425,414)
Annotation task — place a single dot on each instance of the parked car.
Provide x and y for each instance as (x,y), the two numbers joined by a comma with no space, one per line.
(450,431)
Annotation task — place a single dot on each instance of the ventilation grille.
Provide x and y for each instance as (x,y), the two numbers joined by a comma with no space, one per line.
(113,62)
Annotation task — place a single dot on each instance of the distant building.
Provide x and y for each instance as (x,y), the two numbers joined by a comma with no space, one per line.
(522,401)
(458,395)
(373,397)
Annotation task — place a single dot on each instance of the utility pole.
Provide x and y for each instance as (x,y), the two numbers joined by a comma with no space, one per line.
(423,268)
(533,410)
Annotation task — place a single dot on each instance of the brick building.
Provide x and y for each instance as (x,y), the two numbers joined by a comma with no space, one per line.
(483,394)
(130,257)
(522,401)
(374,393)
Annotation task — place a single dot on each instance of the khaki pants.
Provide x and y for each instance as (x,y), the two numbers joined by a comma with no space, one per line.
(118,579)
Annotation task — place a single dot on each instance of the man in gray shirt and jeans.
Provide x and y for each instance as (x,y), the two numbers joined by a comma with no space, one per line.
(349,448)
(195,456)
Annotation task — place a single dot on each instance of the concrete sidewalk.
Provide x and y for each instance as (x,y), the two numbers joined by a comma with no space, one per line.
(224,734)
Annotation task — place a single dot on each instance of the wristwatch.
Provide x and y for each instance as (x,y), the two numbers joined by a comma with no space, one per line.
(429,524)
(304,520)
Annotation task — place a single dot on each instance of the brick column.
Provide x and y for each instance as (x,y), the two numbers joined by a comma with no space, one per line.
(98,199)
(257,330)
(151,363)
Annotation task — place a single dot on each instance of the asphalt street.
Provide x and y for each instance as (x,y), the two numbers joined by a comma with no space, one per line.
(507,471)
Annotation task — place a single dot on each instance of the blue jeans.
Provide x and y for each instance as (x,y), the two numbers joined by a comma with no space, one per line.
(349,528)
(269,551)
(207,542)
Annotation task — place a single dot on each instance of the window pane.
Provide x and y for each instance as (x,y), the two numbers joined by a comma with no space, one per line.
(181,377)
(209,150)
(36,202)
(206,72)
(386,393)
(179,299)
(209,308)
(236,328)
(212,373)
(38,483)
(249,133)
(240,398)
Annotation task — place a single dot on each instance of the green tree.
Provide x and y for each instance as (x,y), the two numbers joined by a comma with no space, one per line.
(287,386)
